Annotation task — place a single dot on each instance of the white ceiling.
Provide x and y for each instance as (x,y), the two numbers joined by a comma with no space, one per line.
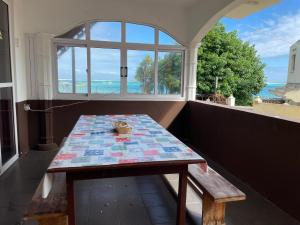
(187,20)
(250,6)
(184,3)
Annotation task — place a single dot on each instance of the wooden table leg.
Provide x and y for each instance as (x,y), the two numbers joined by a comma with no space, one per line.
(70,199)
(181,202)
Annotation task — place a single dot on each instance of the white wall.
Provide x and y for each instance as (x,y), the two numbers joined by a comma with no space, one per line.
(18,48)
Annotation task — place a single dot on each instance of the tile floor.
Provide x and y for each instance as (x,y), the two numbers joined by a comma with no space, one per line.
(124,201)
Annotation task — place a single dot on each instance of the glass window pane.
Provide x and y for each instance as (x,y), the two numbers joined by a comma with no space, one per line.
(136,33)
(5,66)
(76,33)
(81,85)
(64,69)
(169,72)
(7,135)
(106,31)
(165,39)
(105,71)
(140,78)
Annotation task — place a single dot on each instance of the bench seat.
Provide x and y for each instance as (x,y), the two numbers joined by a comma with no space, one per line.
(220,189)
(53,209)
(213,189)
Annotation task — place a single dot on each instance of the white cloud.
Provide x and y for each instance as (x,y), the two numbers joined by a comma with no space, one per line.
(273,37)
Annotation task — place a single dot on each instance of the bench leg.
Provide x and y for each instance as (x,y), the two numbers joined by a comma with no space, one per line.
(70,199)
(61,220)
(212,213)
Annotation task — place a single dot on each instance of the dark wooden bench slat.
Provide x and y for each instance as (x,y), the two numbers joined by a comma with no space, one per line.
(215,185)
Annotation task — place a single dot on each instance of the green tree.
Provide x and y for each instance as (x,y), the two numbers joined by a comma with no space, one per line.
(145,75)
(169,74)
(235,63)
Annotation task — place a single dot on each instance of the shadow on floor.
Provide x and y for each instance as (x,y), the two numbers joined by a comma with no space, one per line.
(255,210)
(123,201)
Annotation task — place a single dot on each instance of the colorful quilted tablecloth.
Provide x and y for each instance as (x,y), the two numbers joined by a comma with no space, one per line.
(93,142)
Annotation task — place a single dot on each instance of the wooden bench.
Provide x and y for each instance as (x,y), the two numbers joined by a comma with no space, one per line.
(214,190)
(53,209)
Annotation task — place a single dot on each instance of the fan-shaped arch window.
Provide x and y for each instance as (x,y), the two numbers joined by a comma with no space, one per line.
(106,31)
(137,33)
(78,32)
(165,39)
(119,59)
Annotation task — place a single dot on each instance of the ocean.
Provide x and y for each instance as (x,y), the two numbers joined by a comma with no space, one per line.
(265,92)
(98,86)
(106,87)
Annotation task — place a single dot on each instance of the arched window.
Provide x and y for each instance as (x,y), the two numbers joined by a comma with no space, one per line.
(118,59)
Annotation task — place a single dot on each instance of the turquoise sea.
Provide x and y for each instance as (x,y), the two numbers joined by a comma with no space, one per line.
(265,92)
(106,87)
(99,86)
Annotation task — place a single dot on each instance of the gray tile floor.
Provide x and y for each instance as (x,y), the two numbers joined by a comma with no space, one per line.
(18,184)
(130,201)
(122,201)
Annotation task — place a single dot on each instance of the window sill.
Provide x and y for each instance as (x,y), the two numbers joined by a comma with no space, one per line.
(116,97)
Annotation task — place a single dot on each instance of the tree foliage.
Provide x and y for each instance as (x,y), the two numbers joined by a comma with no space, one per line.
(145,75)
(239,69)
(169,74)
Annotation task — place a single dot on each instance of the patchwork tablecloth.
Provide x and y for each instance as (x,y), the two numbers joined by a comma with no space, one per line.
(93,142)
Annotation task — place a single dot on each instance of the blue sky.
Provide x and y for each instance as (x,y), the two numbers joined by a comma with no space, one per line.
(272,31)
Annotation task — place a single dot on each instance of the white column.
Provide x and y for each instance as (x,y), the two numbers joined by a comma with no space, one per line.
(32,82)
(192,72)
(39,66)
(44,65)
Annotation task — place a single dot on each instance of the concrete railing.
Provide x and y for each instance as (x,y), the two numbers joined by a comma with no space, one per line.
(261,150)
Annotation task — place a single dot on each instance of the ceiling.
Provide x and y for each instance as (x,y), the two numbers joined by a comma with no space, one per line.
(249,7)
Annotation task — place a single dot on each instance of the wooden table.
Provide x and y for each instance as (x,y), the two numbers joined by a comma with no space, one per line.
(93,150)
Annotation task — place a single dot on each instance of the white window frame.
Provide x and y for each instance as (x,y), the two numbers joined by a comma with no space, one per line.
(124,47)
(12,84)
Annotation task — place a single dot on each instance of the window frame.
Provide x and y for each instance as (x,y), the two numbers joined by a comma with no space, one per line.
(293,62)
(89,71)
(123,47)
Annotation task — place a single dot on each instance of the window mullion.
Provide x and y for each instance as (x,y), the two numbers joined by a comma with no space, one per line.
(123,59)
(183,73)
(89,71)
(73,70)
(156,63)
(88,49)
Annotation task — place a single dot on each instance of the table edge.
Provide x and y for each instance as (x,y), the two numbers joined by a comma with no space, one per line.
(126,166)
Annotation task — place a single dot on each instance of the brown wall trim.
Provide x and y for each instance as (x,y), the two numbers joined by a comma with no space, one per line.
(164,112)
(31,125)
(22,128)
(260,150)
